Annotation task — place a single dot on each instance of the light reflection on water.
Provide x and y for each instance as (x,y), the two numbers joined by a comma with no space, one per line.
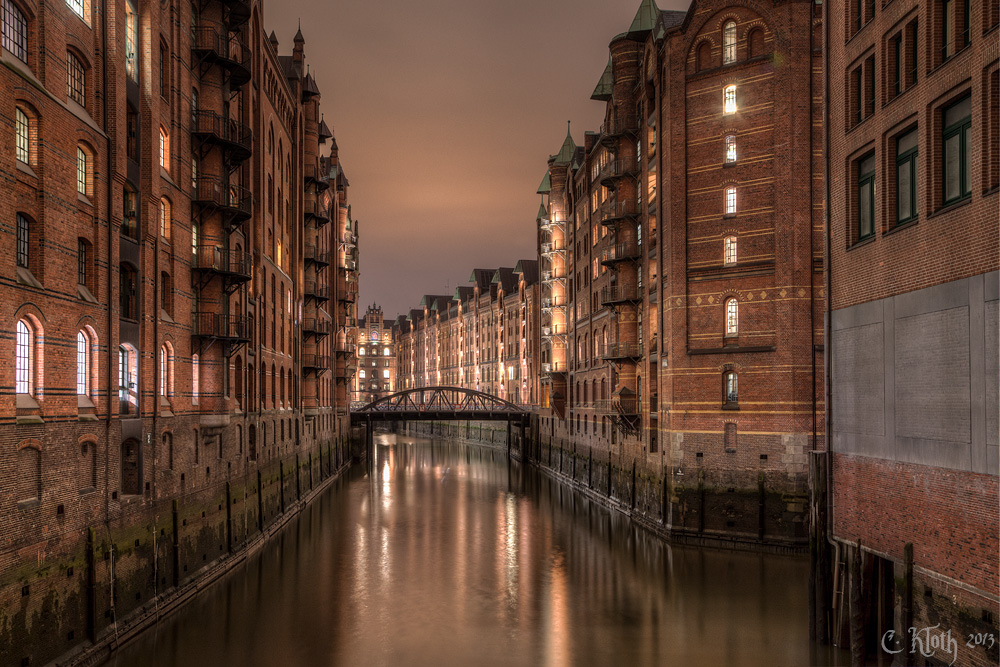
(453,555)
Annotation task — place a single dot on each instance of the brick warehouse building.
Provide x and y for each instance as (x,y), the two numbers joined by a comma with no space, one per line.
(913,164)
(376,376)
(682,269)
(172,401)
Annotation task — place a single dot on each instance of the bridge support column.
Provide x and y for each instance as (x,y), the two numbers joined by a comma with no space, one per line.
(369,445)
(508,438)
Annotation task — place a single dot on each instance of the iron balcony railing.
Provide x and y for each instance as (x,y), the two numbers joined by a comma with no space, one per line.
(619,210)
(316,290)
(348,293)
(349,239)
(619,252)
(554,274)
(239,12)
(551,302)
(214,43)
(213,191)
(314,175)
(621,351)
(620,294)
(228,262)
(217,325)
(554,330)
(318,213)
(315,362)
(231,135)
(554,367)
(622,405)
(616,169)
(549,248)
(316,255)
(317,326)
(616,125)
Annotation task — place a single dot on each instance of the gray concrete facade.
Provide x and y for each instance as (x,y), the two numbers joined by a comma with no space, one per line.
(915,377)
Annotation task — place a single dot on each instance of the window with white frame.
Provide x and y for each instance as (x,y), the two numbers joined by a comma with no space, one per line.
(732,317)
(729,250)
(730,148)
(82,363)
(164,149)
(729,42)
(23,359)
(81,171)
(21,136)
(77,7)
(731,200)
(729,99)
(75,79)
(730,385)
(15,30)
(23,249)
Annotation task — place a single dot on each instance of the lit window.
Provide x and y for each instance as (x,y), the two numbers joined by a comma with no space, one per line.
(729,43)
(361,375)
(23,240)
(730,387)
(15,30)
(164,218)
(164,149)
(732,317)
(729,245)
(77,7)
(81,171)
(385,374)
(23,358)
(957,138)
(730,200)
(194,379)
(21,131)
(730,148)
(82,365)
(866,197)
(729,99)
(163,371)
(906,177)
(385,352)
(361,351)
(74,79)
(131,40)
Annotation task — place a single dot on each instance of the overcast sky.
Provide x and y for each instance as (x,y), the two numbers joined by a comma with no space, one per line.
(445,112)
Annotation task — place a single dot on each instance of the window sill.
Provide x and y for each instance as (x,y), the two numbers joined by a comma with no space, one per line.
(85,294)
(948,208)
(730,406)
(83,199)
(729,163)
(28,504)
(26,277)
(900,226)
(863,242)
(166,317)
(728,216)
(25,168)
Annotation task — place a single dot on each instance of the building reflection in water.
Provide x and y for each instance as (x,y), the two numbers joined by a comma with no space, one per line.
(454,555)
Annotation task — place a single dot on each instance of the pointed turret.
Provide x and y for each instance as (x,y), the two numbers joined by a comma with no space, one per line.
(545,187)
(602,93)
(565,154)
(644,21)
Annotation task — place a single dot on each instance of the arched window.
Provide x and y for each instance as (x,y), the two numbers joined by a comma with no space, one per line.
(729,99)
(755,43)
(731,200)
(29,471)
(385,352)
(131,41)
(128,380)
(730,148)
(166,293)
(703,57)
(15,30)
(166,368)
(164,149)
(75,78)
(732,317)
(729,250)
(195,379)
(165,218)
(729,42)
(82,171)
(730,387)
(361,351)
(82,364)
(22,136)
(23,241)
(24,359)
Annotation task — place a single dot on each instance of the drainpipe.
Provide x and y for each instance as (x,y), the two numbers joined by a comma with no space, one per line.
(828,382)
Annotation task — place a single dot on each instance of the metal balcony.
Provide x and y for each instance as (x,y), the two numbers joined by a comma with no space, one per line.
(315,363)
(317,213)
(349,240)
(617,294)
(221,327)
(616,211)
(618,125)
(316,326)
(316,290)
(234,201)
(213,45)
(550,302)
(350,265)
(552,248)
(349,293)
(552,367)
(617,169)
(554,330)
(235,138)
(616,351)
(238,12)
(621,252)
(314,176)
(234,266)
(554,274)
(316,255)
(623,405)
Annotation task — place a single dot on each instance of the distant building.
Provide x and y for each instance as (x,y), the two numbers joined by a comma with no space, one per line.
(376,376)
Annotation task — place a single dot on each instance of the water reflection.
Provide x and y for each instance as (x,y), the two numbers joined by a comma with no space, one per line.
(454,555)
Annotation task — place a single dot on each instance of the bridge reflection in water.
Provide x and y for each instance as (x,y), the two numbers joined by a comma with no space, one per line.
(455,555)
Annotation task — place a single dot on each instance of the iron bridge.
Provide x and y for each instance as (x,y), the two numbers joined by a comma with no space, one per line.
(441,404)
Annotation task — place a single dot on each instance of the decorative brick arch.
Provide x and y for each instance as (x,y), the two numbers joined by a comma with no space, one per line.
(31,443)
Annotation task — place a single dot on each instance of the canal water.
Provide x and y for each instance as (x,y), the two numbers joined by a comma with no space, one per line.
(449,554)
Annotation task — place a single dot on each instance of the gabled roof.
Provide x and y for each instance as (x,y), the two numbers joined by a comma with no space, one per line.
(545,186)
(463,293)
(504,277)
(528,270)
(565,154)
(644,21)
(482,278)
(669,19)
(309,87)
(324,131)
(602,92)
